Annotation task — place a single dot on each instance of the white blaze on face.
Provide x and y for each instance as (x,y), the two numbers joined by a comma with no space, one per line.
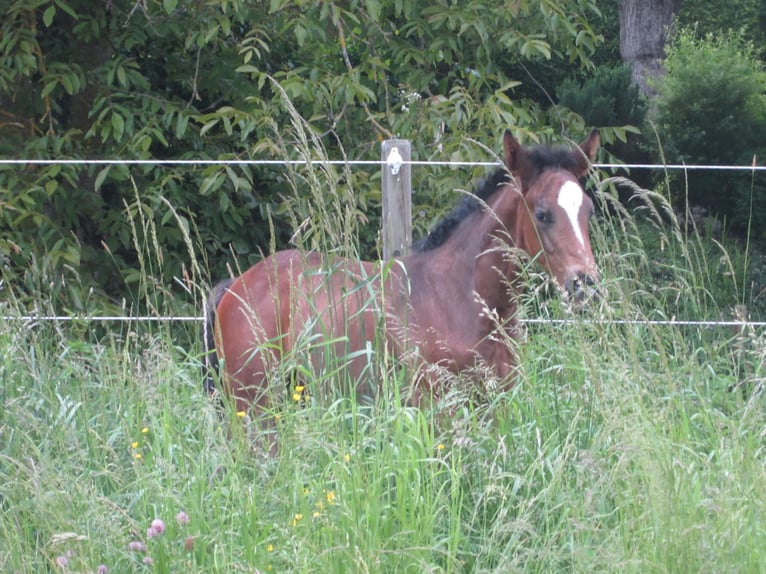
(570,200)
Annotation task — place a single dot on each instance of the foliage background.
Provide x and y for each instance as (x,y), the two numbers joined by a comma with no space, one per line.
(201,80)
(246,79)
(626,447)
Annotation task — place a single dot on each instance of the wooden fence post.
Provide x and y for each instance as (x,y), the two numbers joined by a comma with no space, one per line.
(397,198)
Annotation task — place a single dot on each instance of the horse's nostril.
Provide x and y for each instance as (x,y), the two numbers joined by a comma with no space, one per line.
(582,288)
(574,283)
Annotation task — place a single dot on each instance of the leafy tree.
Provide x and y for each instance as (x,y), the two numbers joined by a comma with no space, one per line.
(235,79)
(745,17)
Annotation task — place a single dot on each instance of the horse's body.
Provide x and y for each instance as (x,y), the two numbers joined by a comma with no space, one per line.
(448,303)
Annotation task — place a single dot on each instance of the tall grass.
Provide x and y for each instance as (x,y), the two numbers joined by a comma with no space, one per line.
(618,451)
(623,447)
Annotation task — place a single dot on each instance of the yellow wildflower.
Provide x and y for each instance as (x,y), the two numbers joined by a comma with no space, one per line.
(270,548)
(145,430)
(134,444)
(241,414)
(330,497)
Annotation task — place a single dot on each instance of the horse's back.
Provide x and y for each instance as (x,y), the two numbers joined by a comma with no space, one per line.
(253,305)
(291,283)
(292,296)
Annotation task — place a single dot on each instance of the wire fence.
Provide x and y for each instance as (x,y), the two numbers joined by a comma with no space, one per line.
(734,324)
(273,162)
(32,319)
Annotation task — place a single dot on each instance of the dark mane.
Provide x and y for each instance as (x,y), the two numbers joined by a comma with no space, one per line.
(468,205)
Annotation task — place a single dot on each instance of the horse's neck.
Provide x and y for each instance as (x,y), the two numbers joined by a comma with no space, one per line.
(476,255)
(497,263)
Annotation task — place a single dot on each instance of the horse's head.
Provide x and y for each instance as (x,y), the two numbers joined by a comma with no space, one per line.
(553,225)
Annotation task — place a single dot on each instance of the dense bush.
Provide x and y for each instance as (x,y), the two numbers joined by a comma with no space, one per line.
(608,98)
(711,109)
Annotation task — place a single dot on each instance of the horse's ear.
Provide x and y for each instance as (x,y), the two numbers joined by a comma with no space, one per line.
(514,153)
(589,147)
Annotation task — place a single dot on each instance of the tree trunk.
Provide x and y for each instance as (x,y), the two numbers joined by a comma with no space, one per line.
(644,26)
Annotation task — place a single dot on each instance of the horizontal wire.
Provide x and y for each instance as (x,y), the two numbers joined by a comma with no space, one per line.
(267,162)
(86,318)
(532,321)
(661,322)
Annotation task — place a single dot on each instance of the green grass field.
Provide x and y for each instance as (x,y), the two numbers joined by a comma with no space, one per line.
(619,450)
(624,447)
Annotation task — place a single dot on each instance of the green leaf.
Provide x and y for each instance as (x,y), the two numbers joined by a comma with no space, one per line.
(373,9)
(207,127)
(223,202)
(300,34)
(106,129)
(118,126)
(48,15)
(66,8)
(232,177)
(274,6)
(247,69)
(101,177)
(182,121)
(49,87)
(70,83)
(122,77)
(169,5)
(211,183)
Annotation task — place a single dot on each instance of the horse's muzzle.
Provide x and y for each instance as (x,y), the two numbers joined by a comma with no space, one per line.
(582,289)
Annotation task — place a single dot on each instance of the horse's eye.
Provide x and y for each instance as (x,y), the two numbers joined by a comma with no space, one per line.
(543,215)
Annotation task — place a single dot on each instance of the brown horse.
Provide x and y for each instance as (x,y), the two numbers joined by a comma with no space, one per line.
(448,303)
